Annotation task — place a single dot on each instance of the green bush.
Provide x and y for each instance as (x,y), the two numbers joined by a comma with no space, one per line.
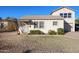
(36,32)
(50,32)
(60,31)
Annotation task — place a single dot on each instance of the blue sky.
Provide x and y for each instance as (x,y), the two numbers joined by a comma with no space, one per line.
(19,11)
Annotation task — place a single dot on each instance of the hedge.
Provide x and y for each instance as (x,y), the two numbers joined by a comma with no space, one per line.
(60,31)
(36,32)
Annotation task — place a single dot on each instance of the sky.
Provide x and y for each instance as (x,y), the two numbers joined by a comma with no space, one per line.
(19,11)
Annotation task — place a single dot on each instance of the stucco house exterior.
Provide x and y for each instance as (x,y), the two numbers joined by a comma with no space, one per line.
(61,18)
(3,24)
(7,25)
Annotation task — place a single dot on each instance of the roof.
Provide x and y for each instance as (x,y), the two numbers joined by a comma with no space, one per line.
(61,8)
(6,20)
(42,17)
(3,20)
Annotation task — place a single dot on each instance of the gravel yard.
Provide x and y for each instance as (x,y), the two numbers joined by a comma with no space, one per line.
(10,42)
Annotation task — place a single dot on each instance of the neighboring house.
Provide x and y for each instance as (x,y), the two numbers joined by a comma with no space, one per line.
(3,24)
(7,25)
(60,18)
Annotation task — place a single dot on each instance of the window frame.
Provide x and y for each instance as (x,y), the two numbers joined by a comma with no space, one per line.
(36,25)
(55,23)
(69,16)
(61,14)
(65,15)
(41,24)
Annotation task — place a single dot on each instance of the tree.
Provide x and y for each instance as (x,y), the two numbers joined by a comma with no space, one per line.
(77,21)
(1,18)
(7,18)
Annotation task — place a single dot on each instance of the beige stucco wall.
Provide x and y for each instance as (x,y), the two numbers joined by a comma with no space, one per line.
(48,25)
(70,21)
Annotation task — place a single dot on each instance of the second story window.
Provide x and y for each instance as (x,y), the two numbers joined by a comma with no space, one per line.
(65,15)
(69,15)
(61,14)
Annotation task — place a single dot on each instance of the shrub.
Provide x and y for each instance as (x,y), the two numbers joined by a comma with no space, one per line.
(50,32)
(60,31)
(36,32)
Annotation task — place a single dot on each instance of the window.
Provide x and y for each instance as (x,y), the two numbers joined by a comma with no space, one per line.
(61,14)
(55,23)
(35,24)
(65,15)
(41,24)
(69,15)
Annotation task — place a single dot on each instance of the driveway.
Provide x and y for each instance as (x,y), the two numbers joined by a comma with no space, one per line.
(73,35)
(6,35)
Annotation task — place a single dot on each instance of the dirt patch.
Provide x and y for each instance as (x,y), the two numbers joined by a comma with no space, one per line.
(11,42)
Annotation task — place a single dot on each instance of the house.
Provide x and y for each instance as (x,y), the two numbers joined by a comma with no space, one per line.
(3,25)
(7,25)
(61,18)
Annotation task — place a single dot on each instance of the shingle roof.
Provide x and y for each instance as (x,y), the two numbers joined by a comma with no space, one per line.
(42,17)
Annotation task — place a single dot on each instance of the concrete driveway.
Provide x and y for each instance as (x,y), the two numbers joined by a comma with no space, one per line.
(73,35)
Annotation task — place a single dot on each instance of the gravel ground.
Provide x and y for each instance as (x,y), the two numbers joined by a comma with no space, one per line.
(10,42)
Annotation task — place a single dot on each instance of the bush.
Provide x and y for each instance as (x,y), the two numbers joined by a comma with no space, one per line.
(50,32)
(36,32)
(60,31)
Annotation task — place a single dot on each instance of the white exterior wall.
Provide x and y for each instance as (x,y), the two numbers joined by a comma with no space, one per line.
(48,25)
(71,21)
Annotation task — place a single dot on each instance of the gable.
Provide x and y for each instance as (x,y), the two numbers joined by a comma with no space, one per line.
(63,10)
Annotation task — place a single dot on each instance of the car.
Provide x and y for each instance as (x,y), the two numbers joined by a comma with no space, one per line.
(77,27)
